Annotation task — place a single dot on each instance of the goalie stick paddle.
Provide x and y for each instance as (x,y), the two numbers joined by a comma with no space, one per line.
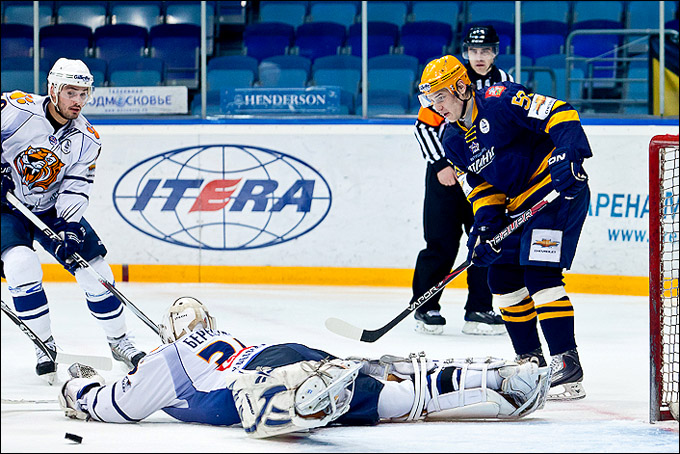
(98,362)
(350,331)
(82,263)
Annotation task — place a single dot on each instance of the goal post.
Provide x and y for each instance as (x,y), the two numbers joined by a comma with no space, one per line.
(664,261)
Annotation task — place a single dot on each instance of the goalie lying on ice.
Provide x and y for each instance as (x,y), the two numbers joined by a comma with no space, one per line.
(206,375)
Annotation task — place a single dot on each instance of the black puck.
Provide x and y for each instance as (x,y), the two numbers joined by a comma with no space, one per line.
(73,437)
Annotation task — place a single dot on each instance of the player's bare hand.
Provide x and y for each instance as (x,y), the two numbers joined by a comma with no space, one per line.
(447,176)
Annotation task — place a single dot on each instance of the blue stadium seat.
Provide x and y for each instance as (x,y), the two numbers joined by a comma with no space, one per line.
(543,81)
(21,12)
(65,40)
(178,46)
(543,37)
(395,61)
(343,13)
(17,74)
(275,75)
(555,11)
(385,102)
(337,62)
(91,14)
(441,11)
(145,14)
(638,90)
(98,69)
(212,106)
(289,12)
(392,12)
(180,12)
(392,79)
(504,29)
(491,11)
(231,12)
(600,10)
(17,40)
(596,45)
(347,79)
(136,72)
(267,39)
(382,37)
(291,62)
(319,39)
(120,40)
(236,71)
(426,39)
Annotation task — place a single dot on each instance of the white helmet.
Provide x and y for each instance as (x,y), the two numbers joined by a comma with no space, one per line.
(182,317)
(69,72)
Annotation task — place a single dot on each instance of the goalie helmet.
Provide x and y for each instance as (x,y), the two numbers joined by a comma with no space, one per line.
(69,72)
(440,73)
(184,316)
(481,36)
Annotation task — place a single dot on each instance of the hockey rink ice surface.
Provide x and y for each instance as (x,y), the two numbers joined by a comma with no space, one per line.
(611,332)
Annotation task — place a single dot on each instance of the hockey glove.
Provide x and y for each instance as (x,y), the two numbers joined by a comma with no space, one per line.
(6,184)
(480,251)
(72,239)
(567,174)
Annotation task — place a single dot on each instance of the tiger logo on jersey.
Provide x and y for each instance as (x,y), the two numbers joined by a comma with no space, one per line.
(38,167)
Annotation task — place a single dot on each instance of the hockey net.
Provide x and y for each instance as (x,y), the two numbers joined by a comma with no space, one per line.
(664,260)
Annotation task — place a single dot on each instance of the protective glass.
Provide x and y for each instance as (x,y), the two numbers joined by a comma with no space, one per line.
(432,98)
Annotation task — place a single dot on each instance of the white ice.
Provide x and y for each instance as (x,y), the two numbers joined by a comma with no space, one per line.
(612,333)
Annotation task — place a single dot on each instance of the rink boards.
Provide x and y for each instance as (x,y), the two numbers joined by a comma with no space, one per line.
(331,203)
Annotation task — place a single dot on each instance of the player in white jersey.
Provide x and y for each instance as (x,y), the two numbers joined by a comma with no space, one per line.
(205,375)
(49,151)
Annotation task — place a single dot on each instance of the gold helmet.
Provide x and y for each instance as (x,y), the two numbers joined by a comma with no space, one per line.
(443,72)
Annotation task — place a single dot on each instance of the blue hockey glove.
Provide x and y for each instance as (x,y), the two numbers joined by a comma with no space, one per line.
(480,251)
(72,239)
(568,176)
(6,184)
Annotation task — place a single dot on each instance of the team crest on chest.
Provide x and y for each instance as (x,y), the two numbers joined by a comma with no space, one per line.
(484,125)
(38,167)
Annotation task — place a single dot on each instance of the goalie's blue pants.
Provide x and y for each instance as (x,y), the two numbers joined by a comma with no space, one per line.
(363,409)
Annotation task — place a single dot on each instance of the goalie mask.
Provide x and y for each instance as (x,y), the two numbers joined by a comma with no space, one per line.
(184,316)
(68,72)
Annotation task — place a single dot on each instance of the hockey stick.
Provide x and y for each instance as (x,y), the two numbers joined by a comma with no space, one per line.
(345,329)
(82,263)
(98,362)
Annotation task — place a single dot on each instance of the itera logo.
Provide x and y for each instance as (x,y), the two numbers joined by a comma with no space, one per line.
(223,197)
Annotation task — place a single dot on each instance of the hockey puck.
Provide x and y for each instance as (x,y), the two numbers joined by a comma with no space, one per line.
(73,437)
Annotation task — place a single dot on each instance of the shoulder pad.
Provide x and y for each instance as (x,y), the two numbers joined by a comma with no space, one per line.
(23,100)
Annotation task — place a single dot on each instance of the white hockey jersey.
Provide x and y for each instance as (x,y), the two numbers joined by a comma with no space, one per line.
(187,379)
(49,169)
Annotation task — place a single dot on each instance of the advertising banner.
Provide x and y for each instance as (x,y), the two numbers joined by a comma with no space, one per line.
(321,100)
(137,100)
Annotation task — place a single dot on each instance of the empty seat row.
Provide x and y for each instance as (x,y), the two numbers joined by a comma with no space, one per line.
(177,45)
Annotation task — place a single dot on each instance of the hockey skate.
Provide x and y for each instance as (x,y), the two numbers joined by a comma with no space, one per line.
(535,356)
(124,350)
(567,375)
(430,322)
(484,323)
(46,368)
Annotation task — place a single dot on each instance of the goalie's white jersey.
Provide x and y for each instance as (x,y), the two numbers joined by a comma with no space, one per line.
(187,379)
(49,168)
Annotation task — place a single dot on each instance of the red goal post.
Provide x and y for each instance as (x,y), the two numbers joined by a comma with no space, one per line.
(664,261)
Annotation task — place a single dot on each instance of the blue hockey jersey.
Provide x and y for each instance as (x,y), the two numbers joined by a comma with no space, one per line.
(501,160)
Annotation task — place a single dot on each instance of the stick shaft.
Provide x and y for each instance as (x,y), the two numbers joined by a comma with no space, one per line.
(82,263)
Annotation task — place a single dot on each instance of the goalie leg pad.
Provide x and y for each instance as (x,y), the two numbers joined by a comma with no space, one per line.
(296,397)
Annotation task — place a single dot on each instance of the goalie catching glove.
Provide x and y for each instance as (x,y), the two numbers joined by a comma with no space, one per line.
(72,396)
(293,398)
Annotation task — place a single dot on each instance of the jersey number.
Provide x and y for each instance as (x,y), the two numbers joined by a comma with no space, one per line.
(522,100)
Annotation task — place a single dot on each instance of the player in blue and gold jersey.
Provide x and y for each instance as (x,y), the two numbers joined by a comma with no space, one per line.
(510,148)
